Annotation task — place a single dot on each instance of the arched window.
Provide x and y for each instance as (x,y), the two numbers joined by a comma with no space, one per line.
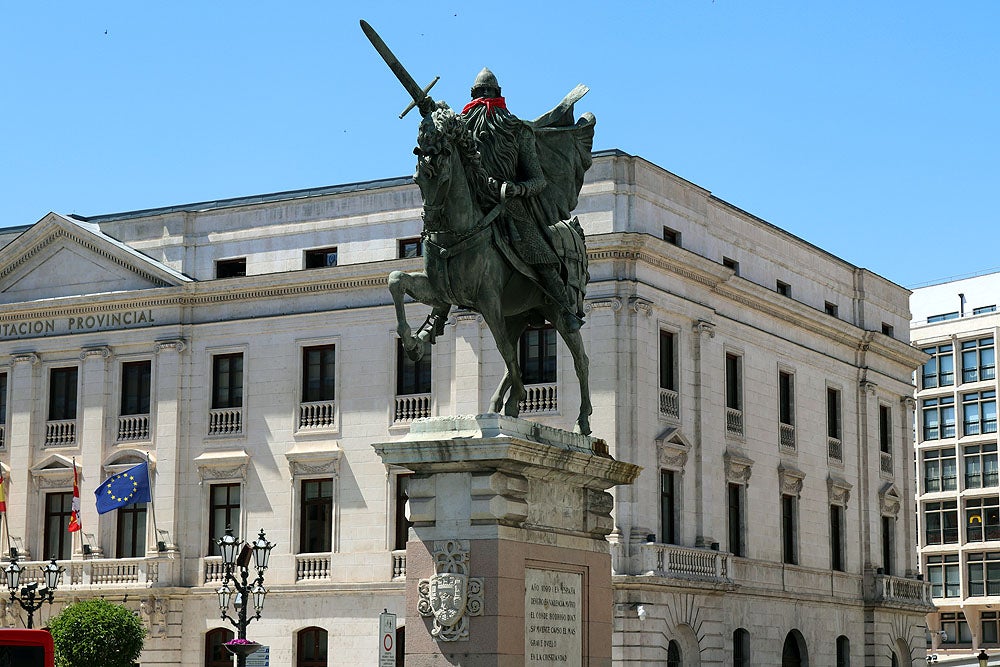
(674,654)
(216,654)
(741,648)
(793,653)
(895,660)
(312,648)
(843,651)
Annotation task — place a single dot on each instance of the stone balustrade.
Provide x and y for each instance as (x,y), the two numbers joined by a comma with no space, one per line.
(317,414)
(670,404)
(540,398)
(312,567)
(132,428)
(60,432)
(902,591)
(225,421)
(670,560)
(410,407)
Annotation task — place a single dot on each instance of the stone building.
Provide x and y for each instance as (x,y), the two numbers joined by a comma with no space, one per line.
(958,491)
(247,347)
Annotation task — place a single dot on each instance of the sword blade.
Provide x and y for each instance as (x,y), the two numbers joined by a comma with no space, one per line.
(411,86)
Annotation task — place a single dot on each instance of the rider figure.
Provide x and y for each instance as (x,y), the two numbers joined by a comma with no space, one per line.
(508,155)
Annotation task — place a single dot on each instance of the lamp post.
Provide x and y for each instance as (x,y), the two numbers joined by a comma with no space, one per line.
(32,597)
(242,591)
(983,658)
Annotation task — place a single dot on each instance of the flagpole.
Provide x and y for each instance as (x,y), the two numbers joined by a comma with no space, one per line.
(152,505)
(6,525)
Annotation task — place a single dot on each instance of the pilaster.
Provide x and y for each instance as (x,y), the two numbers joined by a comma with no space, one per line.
(23,389)
(168,428)
(467,389)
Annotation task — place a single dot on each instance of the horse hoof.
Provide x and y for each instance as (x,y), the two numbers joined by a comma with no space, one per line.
(582,428)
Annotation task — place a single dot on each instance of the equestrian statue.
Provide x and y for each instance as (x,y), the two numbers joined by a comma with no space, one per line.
(498,238)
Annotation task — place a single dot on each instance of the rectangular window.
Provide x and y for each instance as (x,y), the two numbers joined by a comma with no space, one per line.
(956,628)
(789,529)
(786,398)
(885,429)
(668,371)
(231,268)
(320,258)
(888,544)
(979,412)
(668,507)
(537,351)
(943,573)
(980,466)
(402,524)
(223,510)
(984,573)
(982,519)
(837,535)
(671,236)
(990,621)
(938,417)
(941,523)
(409,248)
(62,393)
(316,518)
(734,382)
(887,329)
(833,419)
(978,360)
(940,470)
(319,373)
(831,308)
(412,377)
(130,541)
(3,401)
(227,381)
(731,264)
(784,289)
(135,387)
(58,541)
(939,370)
(736,520)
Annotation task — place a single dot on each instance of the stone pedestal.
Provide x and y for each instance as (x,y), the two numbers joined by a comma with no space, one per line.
(507,561)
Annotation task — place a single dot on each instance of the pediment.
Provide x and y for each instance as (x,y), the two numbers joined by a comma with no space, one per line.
(62,257)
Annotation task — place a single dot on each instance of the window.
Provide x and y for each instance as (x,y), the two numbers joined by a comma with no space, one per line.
(737,516)
(990,621)
(843,651)
(980,466)
(734,388)
(135,387)
(830,308)
(58,541)
(231,268)
(412,377)
(942,572)
(131,537)
(216,654)
(674,658)
(402,524)
(939,370)
(885,429)
(671,236)
(786,398)
(984,573)
(888,329)
(668,507)
(888,544)
(537,350)
(316,520)
(833,413)
(319,373)
(321,258)
(940,470)
(409,248)
(784,289)
(668,367)
(956,628)
(62,394)
(789,538)
(224,510)
(939,417)
(741,648)
(943,317)
(837,535)
(3,401)
(227,381)
(982,519)
(979,412)
(982,310)
(941,522)
(312,647)
(731,264)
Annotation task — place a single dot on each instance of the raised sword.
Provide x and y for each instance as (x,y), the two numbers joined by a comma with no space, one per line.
(419,95)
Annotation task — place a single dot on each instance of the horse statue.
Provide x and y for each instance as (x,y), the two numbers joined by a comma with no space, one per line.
(469,263)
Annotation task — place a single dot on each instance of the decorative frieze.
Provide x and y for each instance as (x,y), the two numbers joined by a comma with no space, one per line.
(839,490)
(738,467)
(790,480)
(175,345)
(889,500)
(99,351)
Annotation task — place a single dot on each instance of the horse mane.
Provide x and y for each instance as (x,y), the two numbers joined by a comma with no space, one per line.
(442,130)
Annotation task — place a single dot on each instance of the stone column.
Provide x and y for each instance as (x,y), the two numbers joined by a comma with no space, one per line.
(93,424)
(168,429)
(22,388)
(507,562)
(467,391)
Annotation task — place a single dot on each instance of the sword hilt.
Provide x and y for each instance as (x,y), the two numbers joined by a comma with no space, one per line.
(426,90)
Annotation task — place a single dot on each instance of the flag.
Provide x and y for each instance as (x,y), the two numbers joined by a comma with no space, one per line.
(124,489)
(74,520)
(3,494)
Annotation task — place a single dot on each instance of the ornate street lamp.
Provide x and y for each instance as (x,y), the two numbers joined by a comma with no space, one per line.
(983,658)
(32,597)
(242,590)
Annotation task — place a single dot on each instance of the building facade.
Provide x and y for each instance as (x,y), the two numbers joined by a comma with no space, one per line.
(247,347)
(958,491)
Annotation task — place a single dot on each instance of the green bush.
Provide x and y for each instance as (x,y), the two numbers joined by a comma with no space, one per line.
(96,633)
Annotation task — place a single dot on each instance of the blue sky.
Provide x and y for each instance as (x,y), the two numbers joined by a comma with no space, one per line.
(870,129)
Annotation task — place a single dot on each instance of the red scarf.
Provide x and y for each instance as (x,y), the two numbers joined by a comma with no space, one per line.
(488,102)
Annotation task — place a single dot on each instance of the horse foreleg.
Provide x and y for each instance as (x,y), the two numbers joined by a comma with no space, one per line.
(515,327)
(507,345)
(496,401)
(417,286)
(581,364)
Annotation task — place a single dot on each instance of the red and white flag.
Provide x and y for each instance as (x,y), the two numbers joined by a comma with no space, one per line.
(74,520)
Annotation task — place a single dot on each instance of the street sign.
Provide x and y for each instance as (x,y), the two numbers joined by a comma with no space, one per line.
(386,639)
(260,658)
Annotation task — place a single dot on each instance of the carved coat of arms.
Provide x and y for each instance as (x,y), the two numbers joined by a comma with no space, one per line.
(450,596)
(447,594)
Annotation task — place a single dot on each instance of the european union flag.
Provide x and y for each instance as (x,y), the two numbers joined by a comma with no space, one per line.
(124,489)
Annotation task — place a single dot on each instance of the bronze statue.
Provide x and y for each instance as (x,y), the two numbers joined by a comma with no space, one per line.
(498,238)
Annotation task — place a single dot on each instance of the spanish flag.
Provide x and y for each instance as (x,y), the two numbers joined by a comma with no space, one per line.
(74,519)
(3,493)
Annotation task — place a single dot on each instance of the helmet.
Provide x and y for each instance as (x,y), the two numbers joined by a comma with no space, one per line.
(485,79)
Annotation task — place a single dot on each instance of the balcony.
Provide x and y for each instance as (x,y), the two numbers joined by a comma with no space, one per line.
(3,436)
(399,564)
(410,407)
(899,591)
(541,399)
(132,428)
(215,571)
(60,432)
(670,560)
(786,436)
(127,572)
(317,414)
(835,449)
(734,422)
(670,404)
(225,421)
(312,567)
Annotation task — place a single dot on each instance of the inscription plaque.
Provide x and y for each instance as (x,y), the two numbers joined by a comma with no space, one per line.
(553,620)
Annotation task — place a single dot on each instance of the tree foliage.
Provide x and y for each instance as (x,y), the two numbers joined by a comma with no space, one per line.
(96,633)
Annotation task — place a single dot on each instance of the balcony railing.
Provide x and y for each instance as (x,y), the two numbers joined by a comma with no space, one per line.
(60,432)
(133,427)
(787,436)
(317,414)
(885,462)
(670,404)
(410,407)
(899,590)
(225,421)
(541,398)
(3,436)
(215,570)
(312,567)
(669,560)
(734,421)
(835,449)
(99,572)
(399,564)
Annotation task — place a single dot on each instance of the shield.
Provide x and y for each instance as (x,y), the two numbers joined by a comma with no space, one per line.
(447,597)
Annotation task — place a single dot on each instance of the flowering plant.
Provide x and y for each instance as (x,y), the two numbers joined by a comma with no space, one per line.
(240,642)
